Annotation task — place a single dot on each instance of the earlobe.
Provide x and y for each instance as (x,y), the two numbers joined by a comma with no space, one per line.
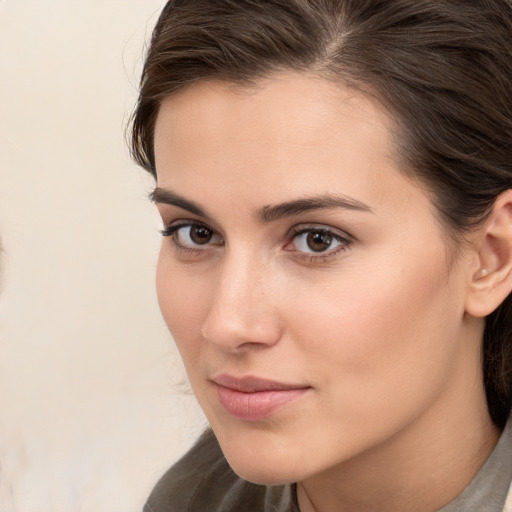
(491,283)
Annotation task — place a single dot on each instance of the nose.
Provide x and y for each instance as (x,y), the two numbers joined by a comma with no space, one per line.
(243,313)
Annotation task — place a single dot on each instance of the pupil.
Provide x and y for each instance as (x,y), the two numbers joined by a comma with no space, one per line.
(319,241)
(200,234)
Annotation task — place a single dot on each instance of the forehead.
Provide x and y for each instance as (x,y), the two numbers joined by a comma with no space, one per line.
(305,104)
(234,151)
(291,123)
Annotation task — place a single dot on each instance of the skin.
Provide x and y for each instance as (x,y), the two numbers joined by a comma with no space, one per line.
(376,326)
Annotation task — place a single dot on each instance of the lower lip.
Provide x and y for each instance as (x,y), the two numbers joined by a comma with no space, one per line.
(258,405)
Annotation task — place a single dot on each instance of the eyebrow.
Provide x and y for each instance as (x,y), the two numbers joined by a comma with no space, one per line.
(165,196)
(323,202)
(269,213)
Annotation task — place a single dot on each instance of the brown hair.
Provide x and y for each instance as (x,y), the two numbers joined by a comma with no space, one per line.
(442,67)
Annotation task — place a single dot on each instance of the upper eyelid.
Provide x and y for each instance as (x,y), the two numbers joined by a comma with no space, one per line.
(183,223)
(304,228)
(171,229)
(179,222)
(292,232)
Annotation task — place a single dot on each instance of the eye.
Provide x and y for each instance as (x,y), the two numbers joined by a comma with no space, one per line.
(317,240)
(192,235)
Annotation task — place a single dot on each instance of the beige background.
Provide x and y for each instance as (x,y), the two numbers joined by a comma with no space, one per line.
(93,405)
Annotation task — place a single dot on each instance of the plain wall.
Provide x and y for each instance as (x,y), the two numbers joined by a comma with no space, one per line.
(93,404)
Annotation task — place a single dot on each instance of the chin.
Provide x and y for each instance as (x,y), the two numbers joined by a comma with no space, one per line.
(262,474)
(264,463)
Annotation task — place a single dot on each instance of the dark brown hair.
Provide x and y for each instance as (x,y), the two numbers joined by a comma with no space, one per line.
(443,68)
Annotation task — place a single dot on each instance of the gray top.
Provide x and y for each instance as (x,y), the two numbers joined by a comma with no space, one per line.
(202,481)
(488,490)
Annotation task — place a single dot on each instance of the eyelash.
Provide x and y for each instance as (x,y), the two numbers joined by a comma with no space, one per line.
(344,241)
(172,231)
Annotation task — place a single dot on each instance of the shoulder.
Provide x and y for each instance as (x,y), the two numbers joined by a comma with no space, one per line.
(203,480)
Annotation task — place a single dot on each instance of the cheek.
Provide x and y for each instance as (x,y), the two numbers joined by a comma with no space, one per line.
(183,302)
(381,334)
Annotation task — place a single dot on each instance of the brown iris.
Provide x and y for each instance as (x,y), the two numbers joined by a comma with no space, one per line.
(318,241)
(200,235)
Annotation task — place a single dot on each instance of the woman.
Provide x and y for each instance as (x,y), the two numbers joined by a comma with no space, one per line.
(335,183)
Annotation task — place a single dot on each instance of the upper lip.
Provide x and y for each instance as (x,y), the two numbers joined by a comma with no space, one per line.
(251,384)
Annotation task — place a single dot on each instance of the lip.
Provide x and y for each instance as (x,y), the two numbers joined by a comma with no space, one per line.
(254,399)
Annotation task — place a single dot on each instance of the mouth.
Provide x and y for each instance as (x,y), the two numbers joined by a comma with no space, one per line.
(253,399)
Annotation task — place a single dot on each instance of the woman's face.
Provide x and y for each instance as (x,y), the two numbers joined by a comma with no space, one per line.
(305,279)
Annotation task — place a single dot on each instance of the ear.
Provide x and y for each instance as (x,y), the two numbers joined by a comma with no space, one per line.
(491,282)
